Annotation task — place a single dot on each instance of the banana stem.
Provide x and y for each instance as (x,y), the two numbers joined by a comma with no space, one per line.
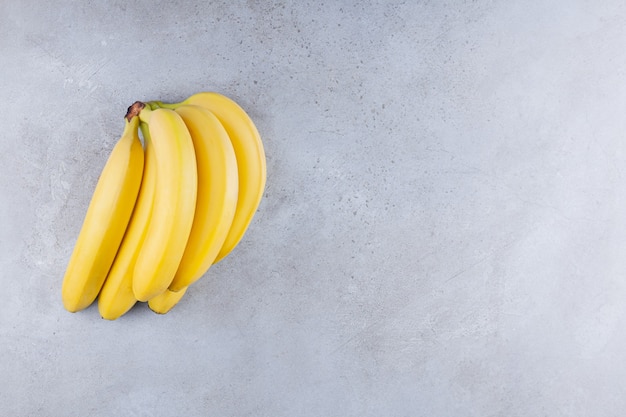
(161,105)
(144,114)
(144,131)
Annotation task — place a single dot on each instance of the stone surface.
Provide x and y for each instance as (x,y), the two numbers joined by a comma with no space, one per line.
(443,231)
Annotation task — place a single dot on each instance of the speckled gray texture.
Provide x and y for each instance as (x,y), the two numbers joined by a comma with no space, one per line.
(443,231)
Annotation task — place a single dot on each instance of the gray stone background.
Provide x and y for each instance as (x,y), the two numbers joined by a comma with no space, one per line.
(443,231)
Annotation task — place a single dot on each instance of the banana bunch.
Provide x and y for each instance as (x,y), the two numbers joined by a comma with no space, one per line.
(163,212)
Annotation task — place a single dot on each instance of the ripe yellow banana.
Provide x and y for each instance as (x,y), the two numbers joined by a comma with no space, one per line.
(250,155)
(106,220)
(174,203)
(164,302)
(116,296)
(218,187)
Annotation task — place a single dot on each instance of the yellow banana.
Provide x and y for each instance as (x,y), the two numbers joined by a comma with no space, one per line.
(217,194)
(116,296)
(164,302)
(106,220)
(174,203)
(250,155)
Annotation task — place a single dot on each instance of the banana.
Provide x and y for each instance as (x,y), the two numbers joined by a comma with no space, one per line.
(250,155)
(106,220)
(174,203)
(159,219)
(218,187)
(164,302)
(116,296)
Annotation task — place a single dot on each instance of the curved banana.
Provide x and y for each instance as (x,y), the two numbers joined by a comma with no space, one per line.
(251,163)
(116,296)
(218,187)
(174,203)
(106,220)
(164,302)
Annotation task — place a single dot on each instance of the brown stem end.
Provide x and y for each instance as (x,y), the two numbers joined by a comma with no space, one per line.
(134,110)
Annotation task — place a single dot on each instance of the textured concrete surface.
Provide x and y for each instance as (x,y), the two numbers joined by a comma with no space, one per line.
(443,232)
